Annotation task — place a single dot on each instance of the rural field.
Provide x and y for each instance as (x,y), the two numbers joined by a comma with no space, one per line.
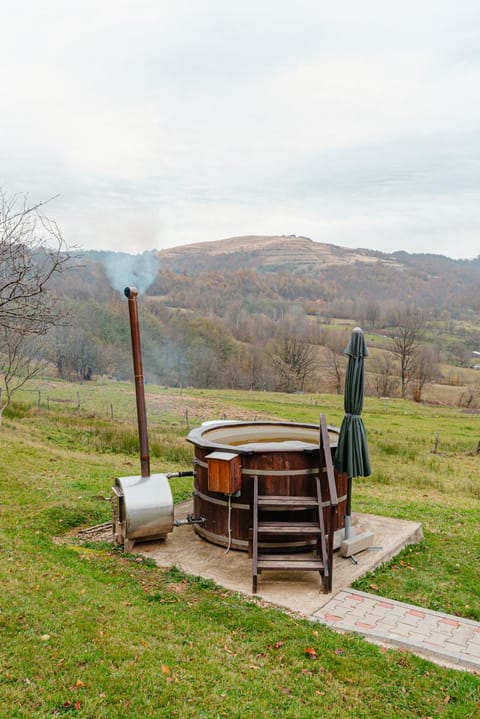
(88,631)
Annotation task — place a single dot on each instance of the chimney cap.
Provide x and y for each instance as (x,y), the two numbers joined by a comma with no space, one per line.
(130,292)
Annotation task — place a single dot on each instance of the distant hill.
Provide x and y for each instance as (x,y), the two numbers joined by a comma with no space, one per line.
(289,268)
(333,273)
(281,253)
(213,313)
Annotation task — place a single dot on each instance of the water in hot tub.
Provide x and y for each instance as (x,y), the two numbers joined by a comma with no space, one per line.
(270,445)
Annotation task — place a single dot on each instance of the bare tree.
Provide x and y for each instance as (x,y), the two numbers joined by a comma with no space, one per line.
(257,370)
(385,381)
(424,369)
(18,364)
(32,253)
(294,360)
(334,361)
(77,353)
(468,397)
(373,313)
(405,343)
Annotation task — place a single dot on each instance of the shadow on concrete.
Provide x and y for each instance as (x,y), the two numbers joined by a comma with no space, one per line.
(300,592)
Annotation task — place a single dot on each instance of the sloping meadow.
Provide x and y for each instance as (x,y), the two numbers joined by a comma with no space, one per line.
(91,632)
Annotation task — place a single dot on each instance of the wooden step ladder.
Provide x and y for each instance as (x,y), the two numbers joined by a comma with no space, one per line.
(314,528)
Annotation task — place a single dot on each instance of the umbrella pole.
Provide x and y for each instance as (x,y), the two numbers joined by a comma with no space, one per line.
(348,512)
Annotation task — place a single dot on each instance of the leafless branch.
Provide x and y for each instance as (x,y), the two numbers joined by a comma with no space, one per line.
(32,252)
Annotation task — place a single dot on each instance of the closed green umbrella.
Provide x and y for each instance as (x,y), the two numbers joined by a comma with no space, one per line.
(352,450)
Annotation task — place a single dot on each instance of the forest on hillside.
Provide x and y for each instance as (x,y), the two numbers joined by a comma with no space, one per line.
(260,313)
(272,329)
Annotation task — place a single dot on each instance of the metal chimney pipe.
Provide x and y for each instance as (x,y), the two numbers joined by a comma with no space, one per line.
(131,294)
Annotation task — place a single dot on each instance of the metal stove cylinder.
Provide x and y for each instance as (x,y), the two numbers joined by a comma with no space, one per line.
(142,509)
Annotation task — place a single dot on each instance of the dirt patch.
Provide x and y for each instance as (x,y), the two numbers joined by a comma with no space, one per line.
(98,533)
(197,409)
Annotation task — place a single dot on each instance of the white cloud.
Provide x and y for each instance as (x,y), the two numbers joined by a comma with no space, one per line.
(160,124)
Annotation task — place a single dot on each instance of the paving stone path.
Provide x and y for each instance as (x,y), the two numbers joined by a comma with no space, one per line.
(439,637)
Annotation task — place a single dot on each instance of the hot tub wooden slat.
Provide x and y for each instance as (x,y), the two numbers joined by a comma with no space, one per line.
(310,529)
(282,501)
(287,475)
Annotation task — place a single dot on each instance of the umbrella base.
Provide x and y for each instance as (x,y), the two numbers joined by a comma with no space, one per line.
(356,543)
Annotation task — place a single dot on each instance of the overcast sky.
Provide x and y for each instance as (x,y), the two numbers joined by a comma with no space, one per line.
(163,123)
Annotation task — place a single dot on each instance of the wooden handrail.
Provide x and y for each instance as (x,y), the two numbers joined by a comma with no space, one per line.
(325,442)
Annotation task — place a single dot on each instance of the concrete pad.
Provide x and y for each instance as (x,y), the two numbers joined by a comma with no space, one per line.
(300,592)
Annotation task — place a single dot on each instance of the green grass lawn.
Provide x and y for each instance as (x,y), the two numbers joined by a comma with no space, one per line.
(87,631)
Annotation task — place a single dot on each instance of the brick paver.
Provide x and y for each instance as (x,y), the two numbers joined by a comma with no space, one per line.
(440,637)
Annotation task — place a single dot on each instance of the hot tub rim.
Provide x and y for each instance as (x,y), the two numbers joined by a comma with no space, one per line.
(196,436)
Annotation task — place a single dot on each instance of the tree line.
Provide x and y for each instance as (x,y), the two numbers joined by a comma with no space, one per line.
(233,329)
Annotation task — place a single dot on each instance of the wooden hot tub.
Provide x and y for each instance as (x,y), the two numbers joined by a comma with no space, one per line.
(284,456)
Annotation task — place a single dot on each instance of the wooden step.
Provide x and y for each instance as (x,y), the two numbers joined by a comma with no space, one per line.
(310,529)
(299,562)
(281,502)
(273,533)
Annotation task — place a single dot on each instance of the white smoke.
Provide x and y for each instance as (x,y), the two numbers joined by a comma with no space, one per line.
(131,270)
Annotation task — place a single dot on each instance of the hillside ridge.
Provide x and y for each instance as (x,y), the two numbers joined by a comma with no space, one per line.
(272,252)
(296,268)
